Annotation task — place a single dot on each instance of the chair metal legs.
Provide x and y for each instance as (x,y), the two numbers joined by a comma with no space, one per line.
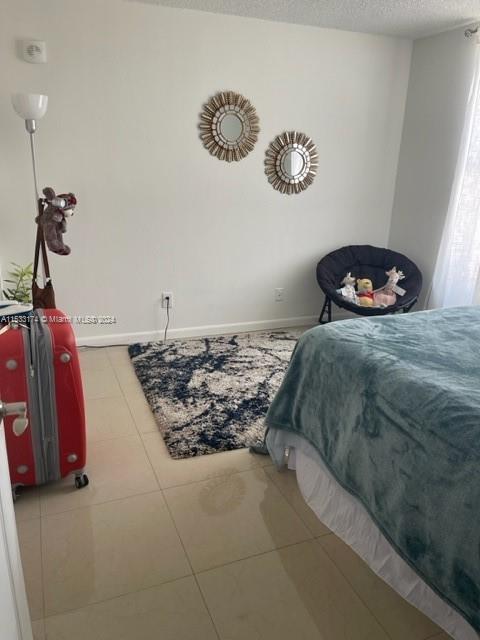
(327,308)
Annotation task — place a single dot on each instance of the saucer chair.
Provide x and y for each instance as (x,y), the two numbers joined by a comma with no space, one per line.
(365,261)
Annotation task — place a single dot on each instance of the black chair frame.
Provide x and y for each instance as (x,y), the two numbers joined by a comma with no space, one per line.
(327,309)
(366,261)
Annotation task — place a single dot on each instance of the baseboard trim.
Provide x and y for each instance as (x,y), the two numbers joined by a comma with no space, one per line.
(113,339)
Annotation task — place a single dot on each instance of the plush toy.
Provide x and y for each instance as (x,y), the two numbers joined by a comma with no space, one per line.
(365,292)
(53,219)
(386,296)
(348,290)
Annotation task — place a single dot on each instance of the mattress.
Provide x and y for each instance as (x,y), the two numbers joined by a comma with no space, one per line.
(345,516)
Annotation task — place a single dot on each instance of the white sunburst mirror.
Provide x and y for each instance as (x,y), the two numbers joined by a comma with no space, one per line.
(229,126)
(291,162)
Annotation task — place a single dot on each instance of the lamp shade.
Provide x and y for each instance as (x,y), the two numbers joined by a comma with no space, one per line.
(30,106)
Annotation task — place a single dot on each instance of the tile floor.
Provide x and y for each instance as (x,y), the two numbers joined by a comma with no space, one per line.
(219,547)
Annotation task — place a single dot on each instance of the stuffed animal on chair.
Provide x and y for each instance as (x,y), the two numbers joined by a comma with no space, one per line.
(386,296)
(53,219)
(365,292)
(348,290)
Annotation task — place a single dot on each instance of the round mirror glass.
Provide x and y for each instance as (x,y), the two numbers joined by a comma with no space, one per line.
(293,163)
(231,127)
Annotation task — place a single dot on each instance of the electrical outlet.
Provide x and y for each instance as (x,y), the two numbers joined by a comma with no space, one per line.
(167,299)
(279,294)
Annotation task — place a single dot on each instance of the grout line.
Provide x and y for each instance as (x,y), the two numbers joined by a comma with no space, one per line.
(213,478)
(226,474)
(133,417)
(29,519)
(191,567)
(98,504)
(365,604)
(431,637)
(167,582)
(119,595)
(44,628)
(331,533)
(95,441)
(173,580)
(138,430)
(42,570)
(324,535)
(255,555)
(327,533)
(219,476)
(206,606)
(125,397)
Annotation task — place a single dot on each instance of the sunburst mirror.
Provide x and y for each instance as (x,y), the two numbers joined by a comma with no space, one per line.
(229,126)
(291,162)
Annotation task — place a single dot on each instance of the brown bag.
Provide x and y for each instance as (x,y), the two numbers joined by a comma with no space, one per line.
(42,298)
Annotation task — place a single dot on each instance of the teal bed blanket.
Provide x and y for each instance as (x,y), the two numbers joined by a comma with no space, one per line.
(392,405)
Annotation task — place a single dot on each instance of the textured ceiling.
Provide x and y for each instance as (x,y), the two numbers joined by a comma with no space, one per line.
(407,18)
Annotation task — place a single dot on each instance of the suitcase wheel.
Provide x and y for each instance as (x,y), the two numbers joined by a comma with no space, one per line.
(81,481)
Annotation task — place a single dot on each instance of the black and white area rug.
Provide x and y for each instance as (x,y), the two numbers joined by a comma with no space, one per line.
(212,394)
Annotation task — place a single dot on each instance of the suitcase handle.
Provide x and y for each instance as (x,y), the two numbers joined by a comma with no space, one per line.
(19,409)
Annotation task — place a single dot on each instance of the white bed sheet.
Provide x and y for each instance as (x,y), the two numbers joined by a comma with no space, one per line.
(349,520)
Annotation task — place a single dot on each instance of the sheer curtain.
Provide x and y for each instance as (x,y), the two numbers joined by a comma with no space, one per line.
(456,280)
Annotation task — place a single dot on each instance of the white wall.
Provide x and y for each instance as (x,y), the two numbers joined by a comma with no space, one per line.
(126,83)
(440,78)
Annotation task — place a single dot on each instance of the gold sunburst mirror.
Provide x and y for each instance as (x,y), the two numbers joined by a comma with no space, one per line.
(229,126)
(291,162)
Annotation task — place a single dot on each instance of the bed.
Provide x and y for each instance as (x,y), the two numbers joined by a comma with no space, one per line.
(381,418)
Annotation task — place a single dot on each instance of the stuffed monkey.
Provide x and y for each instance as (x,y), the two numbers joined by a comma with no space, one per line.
(53,219)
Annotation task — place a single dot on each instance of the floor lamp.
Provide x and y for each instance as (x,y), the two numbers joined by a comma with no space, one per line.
(31,107)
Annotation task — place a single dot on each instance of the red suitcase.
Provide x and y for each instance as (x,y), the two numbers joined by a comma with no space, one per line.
(39,364)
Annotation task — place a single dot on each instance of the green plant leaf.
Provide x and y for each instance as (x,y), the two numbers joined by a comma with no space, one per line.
(21,278)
